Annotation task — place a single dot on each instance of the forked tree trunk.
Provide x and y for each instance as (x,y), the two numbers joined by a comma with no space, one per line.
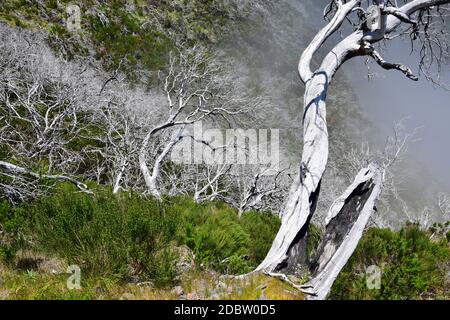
(151,178)
(302,198)
(289,245)
(350,213)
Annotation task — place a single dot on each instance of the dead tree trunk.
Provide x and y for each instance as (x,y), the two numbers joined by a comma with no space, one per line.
(349,215)
(303,194)
(119,176)
(345,224)
(15,169)
(192,86)
(152,178)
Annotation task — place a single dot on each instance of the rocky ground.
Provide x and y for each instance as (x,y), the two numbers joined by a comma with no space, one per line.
(40,277)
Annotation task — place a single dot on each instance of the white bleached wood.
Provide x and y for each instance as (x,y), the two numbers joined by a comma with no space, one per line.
(304,67)
(118,180)
(336,259)
(301,200)
(23,171)
(314,158)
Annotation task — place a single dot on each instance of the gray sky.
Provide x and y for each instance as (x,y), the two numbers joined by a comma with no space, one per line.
(390,96)
(268,54)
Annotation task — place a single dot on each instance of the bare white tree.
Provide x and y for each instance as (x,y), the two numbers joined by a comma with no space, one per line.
(383,21)
(196,90)
(60,118)
(444,204)
(42,114)
(257,188)
(210,183)
(119,145)
(390,158)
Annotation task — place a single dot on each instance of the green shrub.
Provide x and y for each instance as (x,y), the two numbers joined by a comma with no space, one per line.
(7,251)
(126,37)
(314,238)
(5,210)
(262,228)
(118,236)
(220,238)
(222,241)
(127,235)
(413,266)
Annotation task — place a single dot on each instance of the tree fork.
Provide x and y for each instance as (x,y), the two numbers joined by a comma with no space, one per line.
(346,224)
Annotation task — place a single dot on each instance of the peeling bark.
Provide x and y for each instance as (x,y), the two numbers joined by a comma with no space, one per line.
(346,221)
(303,196)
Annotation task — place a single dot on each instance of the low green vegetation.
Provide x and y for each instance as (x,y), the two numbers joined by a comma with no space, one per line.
(17,284)
(131,36)
(128,236)
(219,239)
(121,239)
(412,266)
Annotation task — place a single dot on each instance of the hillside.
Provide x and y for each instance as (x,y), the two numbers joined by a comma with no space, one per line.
(133,248)
(94,101)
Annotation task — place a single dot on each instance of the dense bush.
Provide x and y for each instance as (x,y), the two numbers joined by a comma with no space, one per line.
(222,241)
(118,236)
(6,250)
(127,235)
(262,229)
(413,266)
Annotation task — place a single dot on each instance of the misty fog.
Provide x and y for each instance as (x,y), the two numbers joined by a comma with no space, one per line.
(268,53)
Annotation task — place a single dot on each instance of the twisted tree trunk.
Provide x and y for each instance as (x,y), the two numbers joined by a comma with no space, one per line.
(303,196)
(304,191)
(350,213)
